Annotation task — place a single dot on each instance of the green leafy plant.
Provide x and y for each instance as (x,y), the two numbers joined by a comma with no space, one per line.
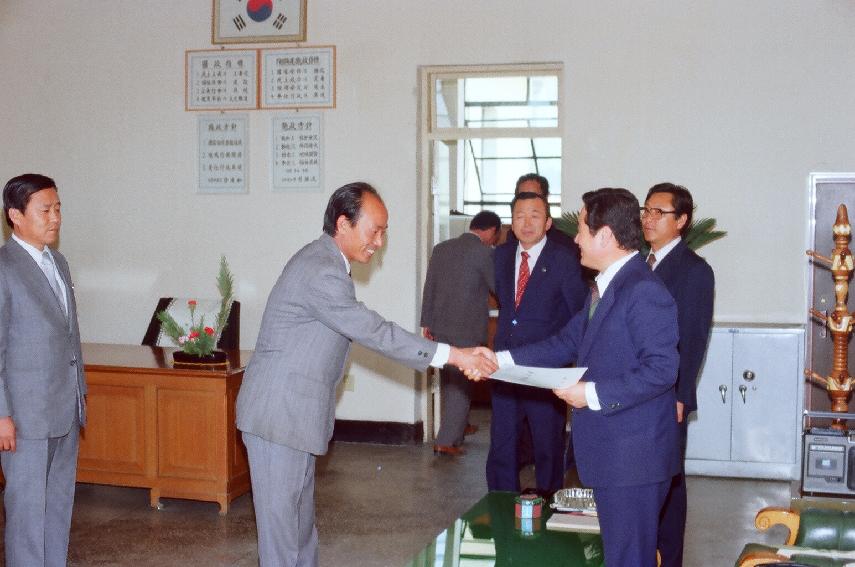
(701,232)
(201,339)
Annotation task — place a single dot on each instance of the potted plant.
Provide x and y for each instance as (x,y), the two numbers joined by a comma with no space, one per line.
(198,341)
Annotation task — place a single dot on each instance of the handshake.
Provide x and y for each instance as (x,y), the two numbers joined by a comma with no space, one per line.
(478,363)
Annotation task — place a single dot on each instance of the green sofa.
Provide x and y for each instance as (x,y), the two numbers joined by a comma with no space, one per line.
(817,538)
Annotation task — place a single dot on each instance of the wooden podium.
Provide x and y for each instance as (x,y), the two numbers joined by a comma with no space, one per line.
(168,429)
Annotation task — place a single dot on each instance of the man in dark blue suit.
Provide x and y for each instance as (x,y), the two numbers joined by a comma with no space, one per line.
(624,426)
(539,287)
(666,217)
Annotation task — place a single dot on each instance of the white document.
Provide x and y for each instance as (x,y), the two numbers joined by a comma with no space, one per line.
(551,378)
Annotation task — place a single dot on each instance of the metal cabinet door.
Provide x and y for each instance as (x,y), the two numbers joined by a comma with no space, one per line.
(709,427)
(765,401)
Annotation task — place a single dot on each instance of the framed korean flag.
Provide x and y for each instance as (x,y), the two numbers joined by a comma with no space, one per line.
(259,21)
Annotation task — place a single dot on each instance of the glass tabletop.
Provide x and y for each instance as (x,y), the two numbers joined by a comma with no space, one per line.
(489,535)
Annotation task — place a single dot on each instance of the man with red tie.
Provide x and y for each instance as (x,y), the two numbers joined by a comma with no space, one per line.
(539,287)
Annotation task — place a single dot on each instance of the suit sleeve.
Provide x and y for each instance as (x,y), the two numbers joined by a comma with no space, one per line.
(695,312)
(428,295)
(489,269)
(651,321)
(333,302)
(5,401)
(574,288)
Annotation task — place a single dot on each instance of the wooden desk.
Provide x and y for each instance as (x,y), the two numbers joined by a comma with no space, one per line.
(168,429)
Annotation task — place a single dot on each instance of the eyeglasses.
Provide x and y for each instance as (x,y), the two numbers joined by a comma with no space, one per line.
(654,213)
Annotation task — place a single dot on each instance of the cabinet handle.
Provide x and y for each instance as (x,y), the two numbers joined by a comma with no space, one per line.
(723,391)
(748,375)
(742,389)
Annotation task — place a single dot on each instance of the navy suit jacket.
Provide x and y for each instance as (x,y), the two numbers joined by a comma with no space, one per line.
(630,350)
(691,282)
(554,293)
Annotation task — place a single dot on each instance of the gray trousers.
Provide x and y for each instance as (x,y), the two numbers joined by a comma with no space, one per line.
(40,477)
(283,494)
(456,396)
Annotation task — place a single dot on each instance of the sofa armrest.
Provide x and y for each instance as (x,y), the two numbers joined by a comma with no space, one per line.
(771,516)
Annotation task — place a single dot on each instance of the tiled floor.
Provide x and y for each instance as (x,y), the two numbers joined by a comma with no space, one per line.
(377,506)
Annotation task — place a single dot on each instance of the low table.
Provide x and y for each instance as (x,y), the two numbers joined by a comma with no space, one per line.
(486,535)
(168,429)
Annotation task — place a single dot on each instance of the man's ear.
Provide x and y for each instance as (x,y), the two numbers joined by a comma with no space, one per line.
(15,215)
(681,221)
(341,224)
(548,221)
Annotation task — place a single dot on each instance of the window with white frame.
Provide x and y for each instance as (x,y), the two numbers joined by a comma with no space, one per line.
(490,125)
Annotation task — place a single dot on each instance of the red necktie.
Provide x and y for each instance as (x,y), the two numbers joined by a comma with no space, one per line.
(522,281)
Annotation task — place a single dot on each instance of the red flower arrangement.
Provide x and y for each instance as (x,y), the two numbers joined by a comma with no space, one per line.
(200,339)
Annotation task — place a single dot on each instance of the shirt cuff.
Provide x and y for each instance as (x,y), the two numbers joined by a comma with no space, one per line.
(591,396)
(505,359)
(440,357)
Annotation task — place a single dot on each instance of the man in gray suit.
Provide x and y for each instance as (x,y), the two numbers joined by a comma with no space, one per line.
(454,310)
(286,404)
(41,377)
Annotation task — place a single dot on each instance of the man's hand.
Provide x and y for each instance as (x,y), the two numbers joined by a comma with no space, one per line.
(7,434)
(477,363)
(573,395)
(681,407)
(427,334)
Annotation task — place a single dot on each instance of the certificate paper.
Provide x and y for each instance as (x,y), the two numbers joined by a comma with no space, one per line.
(552,378)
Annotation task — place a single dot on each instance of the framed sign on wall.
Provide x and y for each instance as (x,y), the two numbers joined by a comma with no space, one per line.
(298,77)
(258,21)
(222,79)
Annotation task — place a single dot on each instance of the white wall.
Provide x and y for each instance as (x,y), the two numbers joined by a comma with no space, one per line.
(739,101)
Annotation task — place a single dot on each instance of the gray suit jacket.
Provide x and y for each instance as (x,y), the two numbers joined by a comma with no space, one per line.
(41,364)
(312,315)
(459,278)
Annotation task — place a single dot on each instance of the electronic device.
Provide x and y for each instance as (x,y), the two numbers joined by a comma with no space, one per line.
(829,461)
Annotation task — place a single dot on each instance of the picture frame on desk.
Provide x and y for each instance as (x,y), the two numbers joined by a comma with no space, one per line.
(258,21)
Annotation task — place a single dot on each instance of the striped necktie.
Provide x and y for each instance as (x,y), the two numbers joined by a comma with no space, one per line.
(595,300)
(522,279)
(651,260)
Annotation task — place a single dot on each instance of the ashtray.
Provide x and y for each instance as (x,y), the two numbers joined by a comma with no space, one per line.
(574,500)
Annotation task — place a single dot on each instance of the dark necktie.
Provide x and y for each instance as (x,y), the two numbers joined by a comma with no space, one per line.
(522,280)
(595,299)
(651,260)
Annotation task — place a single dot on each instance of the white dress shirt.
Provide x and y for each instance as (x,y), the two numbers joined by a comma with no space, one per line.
(37,256)
(533,255)
(662,252)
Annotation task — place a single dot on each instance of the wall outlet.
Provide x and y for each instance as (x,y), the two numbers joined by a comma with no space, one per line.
(349,383)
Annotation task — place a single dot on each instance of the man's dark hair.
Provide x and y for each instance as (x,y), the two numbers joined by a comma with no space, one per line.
(681,200)
(619,210)
(18,190)
(347,201)
(541,180)
(485,220)
(525,196)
